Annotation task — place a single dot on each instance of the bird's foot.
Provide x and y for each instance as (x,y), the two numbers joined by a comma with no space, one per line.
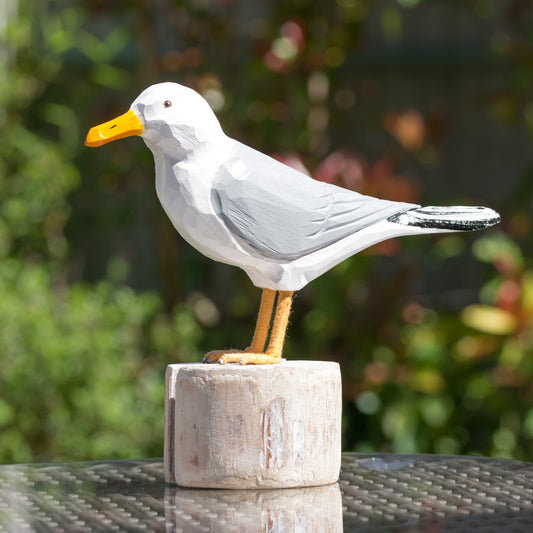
(245,357)
(250,358)
(215,355)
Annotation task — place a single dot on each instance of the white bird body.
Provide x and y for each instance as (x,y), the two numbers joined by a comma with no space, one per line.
(241,207)
(211,186)
(185,190)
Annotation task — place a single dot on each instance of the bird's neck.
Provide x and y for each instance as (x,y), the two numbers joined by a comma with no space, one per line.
(186,165)
(210,149)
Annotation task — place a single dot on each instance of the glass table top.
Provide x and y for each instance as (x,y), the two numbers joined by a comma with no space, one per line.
(378,493)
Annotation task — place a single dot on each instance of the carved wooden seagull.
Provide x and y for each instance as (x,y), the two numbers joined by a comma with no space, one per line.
(239,206)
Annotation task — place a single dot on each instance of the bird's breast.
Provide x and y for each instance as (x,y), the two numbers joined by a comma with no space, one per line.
(185,194)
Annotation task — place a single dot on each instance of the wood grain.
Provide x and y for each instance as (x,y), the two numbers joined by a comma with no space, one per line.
(271,426)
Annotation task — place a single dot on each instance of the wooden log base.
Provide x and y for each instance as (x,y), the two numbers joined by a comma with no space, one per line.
(253,426)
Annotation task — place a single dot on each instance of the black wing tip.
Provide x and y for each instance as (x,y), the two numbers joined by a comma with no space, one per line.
(455,218)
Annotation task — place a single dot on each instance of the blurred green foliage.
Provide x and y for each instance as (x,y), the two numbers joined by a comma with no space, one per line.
(98,294)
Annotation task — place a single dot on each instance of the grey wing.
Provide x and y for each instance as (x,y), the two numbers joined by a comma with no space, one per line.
(280,213)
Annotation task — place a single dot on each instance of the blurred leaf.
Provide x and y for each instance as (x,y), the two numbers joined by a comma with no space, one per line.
(102,51)
(526,290)
(109,76)
(428,381)
(436,410)
(512,353)
(489,319)
(528,424)
(449,246)
(391,22)
(368,403)
(499,249)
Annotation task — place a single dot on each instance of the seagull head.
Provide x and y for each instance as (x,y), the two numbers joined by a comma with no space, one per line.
(169,117)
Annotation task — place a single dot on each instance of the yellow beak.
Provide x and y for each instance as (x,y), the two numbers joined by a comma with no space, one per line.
(125,125)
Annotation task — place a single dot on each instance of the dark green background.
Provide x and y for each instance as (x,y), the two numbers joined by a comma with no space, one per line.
(425,101)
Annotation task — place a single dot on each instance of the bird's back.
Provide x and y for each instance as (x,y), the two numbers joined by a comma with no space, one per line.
(282,214)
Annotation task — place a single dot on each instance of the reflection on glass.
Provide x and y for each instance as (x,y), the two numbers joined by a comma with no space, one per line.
(295,510)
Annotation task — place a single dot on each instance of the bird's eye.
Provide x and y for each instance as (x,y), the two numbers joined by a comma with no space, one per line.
(167,103)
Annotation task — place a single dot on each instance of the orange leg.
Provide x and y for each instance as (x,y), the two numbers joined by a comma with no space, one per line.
(263,321)
(255,355)
(279,328)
